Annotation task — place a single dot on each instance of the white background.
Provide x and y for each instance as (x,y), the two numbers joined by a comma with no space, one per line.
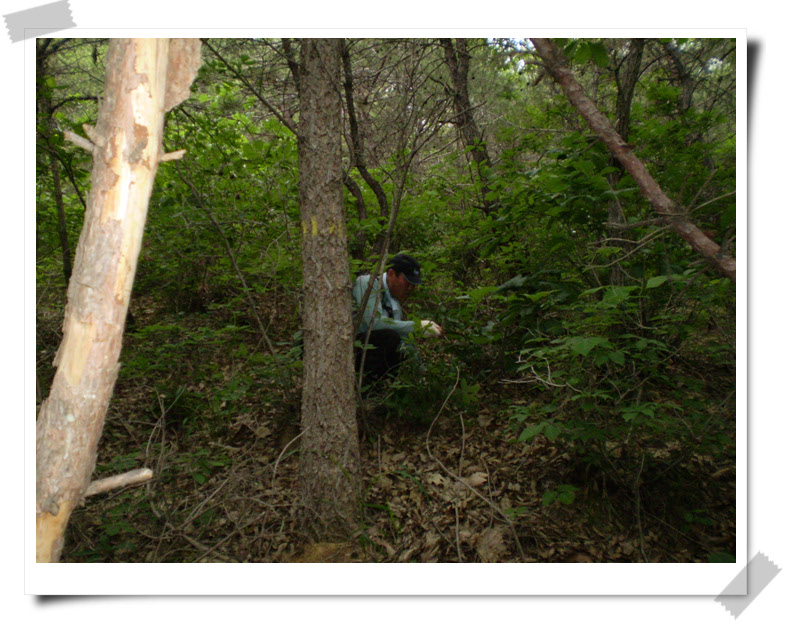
(766,414)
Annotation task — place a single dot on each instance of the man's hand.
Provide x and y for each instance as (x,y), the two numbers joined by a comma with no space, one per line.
(430,328)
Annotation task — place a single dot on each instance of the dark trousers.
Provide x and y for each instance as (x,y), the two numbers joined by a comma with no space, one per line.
(382,355)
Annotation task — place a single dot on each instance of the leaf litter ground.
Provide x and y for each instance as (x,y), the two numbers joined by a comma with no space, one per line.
(460,488)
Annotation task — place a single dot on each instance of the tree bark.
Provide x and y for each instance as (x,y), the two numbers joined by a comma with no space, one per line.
(329,447)
(144,77)
(674,215)
(626,77)
(62,226)
(681,76)
(458,60)
(357,153)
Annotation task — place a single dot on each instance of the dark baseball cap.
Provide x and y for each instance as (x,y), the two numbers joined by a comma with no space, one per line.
(406,264)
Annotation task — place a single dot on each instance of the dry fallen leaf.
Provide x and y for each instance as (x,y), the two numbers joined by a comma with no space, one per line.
(262,431)
(476,479)
(491,545)
(434,478)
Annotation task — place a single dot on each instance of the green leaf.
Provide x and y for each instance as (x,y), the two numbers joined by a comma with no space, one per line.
(584,345)
(551,431)
(582,53)
(549,498)
(616,295)
(632,412)
(565,494)
(586,167)
(556,211)
(555,184)
(657,281)
(530,432)
(515,512)
(617,357)
(480,293)
(599,54)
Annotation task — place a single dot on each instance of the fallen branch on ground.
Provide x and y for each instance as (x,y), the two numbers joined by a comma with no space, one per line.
(137,476)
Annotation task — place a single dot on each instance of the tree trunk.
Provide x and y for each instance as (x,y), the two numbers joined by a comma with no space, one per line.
(681,76)
(673,214)
(144,77)
(62,226)
(329,447)
(358,156)
(458,60)
(626,79)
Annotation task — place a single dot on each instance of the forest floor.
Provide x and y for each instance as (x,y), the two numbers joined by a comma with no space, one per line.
(456,487)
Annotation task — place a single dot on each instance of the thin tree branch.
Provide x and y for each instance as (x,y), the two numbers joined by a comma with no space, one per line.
(287,122)
(356,147)
(295,69)
(76,98)
(503,516)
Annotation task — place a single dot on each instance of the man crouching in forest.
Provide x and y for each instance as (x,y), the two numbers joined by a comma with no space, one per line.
(384,313)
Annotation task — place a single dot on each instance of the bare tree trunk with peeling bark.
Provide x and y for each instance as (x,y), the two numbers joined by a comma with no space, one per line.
(673,215)
(144,79)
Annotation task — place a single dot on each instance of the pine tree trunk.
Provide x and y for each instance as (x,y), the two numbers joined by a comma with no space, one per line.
(329,446)
(126,153)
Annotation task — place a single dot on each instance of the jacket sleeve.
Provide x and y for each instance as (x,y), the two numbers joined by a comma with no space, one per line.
(376,314)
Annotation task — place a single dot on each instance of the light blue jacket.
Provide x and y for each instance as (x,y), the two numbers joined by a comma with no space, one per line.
(378,316)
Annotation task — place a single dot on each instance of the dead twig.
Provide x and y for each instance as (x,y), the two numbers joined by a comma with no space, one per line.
(137,476)
(505,518)
(638,508)
(276,465)
(456,531)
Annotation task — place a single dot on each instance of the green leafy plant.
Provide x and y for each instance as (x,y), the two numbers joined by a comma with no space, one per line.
(563,494)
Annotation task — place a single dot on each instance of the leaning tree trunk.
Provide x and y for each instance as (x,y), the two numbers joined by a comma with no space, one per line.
(144,78)
(329,447)
(674,215)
